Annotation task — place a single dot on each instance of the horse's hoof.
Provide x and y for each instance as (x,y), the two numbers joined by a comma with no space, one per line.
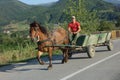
(62,62)
(42,63)
(66,61)
(49,67)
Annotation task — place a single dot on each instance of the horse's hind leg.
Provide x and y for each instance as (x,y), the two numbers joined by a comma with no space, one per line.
(38,57)
(63,60)
(65,56)
(50,59)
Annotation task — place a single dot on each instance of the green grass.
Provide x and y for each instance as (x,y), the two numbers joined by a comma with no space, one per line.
(11,56)
(16,56)
(15,47)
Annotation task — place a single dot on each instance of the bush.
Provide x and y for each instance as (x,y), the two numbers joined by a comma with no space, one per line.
(106,26)
(15,48)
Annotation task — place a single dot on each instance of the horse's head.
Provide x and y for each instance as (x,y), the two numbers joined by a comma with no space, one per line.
(34,29)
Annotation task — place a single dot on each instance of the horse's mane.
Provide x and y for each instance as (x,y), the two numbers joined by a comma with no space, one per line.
(42,28)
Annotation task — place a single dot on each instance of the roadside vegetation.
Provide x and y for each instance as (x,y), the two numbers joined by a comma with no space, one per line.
(15,44)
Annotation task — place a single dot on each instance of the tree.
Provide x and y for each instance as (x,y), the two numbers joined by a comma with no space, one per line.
(118,22)
(89,21)
(106,26)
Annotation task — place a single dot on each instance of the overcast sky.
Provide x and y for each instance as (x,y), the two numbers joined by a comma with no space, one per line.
(34,2)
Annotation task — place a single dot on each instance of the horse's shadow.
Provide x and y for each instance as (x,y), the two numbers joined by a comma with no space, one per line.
(12,67)
(17,66)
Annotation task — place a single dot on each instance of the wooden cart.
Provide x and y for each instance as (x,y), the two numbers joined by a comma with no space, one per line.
(88,43)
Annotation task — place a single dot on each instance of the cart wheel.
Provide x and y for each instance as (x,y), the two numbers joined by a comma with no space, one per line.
(91,51)
(110,45)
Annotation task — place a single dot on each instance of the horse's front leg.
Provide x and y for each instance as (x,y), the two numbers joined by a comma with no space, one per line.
(38,57)
(50,58)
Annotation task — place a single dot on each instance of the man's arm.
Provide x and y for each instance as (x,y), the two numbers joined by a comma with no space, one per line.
(69,29)
(79,29)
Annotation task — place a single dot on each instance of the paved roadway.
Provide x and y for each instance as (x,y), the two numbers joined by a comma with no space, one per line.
(104,66)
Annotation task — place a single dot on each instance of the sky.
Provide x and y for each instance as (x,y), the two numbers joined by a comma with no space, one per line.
(35,2)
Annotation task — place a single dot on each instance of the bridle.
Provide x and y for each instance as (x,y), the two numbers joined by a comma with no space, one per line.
(40,41)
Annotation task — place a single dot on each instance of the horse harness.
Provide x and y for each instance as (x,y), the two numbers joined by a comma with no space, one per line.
(52,41)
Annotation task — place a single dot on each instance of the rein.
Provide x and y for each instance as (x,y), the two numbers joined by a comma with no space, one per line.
(53,42)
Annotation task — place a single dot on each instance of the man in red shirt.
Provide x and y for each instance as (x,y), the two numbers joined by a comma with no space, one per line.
(74,29)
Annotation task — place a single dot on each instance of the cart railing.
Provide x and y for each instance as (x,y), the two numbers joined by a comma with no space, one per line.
(93,39)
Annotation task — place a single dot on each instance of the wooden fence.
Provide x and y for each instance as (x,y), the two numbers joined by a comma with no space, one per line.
(115,34)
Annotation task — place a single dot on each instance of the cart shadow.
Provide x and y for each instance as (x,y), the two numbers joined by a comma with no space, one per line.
(101,51)
(72,58)
(79,55)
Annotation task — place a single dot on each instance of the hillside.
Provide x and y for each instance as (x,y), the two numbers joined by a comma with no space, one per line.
(103,8)
(11,10)
(113,1)
(14,10)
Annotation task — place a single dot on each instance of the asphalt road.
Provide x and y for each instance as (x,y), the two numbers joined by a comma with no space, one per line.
(104,66)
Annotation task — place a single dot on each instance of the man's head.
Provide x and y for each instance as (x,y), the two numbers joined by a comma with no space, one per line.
(73,19)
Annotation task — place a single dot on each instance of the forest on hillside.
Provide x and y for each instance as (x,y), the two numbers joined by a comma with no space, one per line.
(15,11)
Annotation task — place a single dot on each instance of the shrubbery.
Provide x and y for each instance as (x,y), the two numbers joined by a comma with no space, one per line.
(15,48)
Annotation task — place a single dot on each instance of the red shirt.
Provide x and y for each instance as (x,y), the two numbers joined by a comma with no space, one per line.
(74,26)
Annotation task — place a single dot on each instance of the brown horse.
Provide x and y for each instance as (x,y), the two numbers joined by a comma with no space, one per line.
(46,41)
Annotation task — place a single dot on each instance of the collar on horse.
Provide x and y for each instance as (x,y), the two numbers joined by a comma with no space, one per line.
(40,42)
